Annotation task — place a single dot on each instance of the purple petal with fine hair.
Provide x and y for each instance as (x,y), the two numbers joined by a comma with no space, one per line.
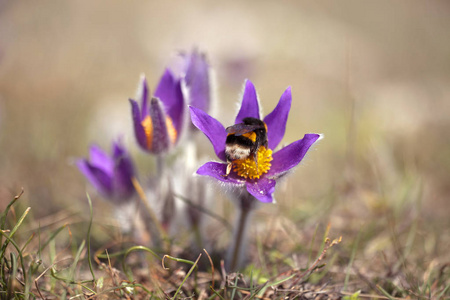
(276,120)
(262,189)
(142,97)
(138,128)
(170,94)
(197,80)
(218,171)
(99,159)
(212,128)
(118,150)
(123,172)
(97,177)
(160,139)
(291,155)
(249,104)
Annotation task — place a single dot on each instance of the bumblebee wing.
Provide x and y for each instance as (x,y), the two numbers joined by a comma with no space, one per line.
(240,129)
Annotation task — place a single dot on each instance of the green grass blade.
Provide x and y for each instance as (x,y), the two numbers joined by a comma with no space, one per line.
(187,276)
(312,245)
(385,292)
(52,236)
(136,248)
(27,242)
(126,251)
(234,288)
(91,216)
(19,222)
(190,262)
(75,261)
(14,230)
(441,294)
(12,242)
(216,294)
(9,289)
(5,213)
(266,285)
(352,258)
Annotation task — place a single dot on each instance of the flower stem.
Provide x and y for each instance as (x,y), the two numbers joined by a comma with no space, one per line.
(160,165)
(237,249)
(198,236)
(160,230)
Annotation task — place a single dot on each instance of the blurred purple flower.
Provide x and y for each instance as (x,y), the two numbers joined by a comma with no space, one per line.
(197,75)
(262,184)
(159,122)
(110,175)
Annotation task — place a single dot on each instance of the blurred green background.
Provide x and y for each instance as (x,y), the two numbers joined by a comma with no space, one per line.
(372,76)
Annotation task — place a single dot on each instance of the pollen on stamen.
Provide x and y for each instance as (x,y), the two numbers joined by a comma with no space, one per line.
(248,168)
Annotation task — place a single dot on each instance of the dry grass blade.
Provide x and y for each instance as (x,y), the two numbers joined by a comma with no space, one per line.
(327,246)
(212,268)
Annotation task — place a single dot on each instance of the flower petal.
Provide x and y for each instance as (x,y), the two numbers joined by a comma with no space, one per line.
(122,183)
(218,171)
(197,80)
(99,159)
(142,96)
(276,120)
(138,128)
(118,150)
(291,155)
(212,128)
(249,104)
(97,177)
(170,94)
(123,172)
(262,189)
(160,135)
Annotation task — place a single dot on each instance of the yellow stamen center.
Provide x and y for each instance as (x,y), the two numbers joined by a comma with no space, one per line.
(249,168)
(148,129)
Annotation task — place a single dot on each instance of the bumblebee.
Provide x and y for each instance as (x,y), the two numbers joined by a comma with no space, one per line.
(244,140)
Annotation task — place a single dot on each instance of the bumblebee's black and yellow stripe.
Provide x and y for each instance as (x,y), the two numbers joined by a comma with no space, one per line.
(244,139)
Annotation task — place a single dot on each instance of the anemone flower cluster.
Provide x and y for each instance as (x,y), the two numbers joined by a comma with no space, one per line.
(250,159)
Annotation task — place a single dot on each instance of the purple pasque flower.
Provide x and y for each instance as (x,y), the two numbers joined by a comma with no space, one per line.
(197,75)
(110,175)
(259,180)
(196,72)
(158,122)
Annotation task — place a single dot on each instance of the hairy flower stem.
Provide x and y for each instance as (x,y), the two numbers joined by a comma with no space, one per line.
(236,253)
(160,165)
(161,235)
(198,236)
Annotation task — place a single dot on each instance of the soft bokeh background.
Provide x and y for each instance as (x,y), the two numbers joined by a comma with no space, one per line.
(373,77)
